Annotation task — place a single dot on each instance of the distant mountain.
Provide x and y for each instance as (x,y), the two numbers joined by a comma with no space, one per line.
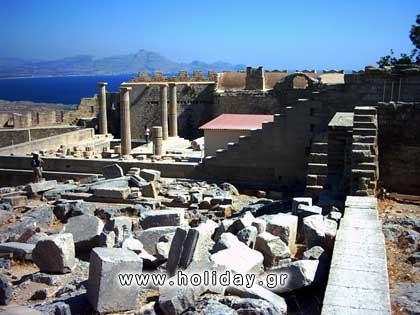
(143,60)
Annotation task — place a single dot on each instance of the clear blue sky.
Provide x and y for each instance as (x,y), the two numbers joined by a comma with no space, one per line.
(344,34)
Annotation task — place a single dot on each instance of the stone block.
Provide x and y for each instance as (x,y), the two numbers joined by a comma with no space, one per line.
(121,226)
(245,260)
(104,290)
(260,224)
(5,290)
(132,244)
(176,250)
(112,171)
(175,300)
(259,292)
(283,226)
(205,242)
(226,240)
(16,201)
(243,222)
(149,190)
(89,179)
(55,254)
(300,273)
(151,237)
(314,229)
(273,249)
(248,236)
(157,218)
(45,185)
(111,192)
(18,250)
(86,230)
(150,175)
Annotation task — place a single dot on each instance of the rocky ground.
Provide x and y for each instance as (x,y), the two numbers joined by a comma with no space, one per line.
(62,245)
(401,227)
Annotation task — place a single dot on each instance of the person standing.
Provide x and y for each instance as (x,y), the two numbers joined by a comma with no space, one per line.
(147,134)
(36,164)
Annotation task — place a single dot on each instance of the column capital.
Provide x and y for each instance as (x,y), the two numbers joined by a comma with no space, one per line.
(102,83)
(163,85)
(125,88)
(173,84)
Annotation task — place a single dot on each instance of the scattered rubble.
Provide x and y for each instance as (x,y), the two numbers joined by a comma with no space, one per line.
(141,222)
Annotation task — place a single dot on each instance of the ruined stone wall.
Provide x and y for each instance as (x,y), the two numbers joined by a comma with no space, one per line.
(399,147)
(34,117)
(88,108)
(255,79)
(15,136)
(50,143)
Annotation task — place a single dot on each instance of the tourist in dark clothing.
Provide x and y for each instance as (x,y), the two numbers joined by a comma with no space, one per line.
(36,164)
(147,134)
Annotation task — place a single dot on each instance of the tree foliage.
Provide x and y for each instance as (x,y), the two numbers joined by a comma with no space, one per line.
(413,57)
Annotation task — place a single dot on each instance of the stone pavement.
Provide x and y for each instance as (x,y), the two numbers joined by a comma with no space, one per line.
(358,279)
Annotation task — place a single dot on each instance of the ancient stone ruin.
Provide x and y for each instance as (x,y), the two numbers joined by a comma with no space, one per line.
(275,177)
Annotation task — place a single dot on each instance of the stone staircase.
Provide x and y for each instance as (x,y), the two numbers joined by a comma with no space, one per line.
(317,166)
(365,171)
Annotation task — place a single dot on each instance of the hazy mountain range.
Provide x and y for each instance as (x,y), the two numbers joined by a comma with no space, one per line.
(143,60)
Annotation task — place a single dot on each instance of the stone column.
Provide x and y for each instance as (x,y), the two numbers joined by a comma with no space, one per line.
(173,112)
(103,123)
(157,140)
(164,106)
(125,120)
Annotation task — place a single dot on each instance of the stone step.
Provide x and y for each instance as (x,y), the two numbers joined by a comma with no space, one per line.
(371,174)
(362,146)
(360,156)
(316,180)
(319,147)
(364,193)
(367,166)
(365,118)
(318,158)
(244,139)
(317,169)
(364,139)
(365,125)
(313,190)
(364,132)
(365,110)
(372,185)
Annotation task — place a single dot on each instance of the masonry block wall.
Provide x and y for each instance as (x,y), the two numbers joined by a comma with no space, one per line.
(275,154)
(15,136)
(399,147)
(255,79)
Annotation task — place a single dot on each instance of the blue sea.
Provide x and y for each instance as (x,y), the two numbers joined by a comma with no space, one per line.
(64,90)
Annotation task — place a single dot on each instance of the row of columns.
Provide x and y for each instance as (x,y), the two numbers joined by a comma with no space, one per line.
(161,134)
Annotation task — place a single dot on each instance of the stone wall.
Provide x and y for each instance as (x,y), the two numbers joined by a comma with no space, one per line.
(16,136)
(255,79)
(219,138)
(33,117)
(399,147)
(50,143)
(276,154)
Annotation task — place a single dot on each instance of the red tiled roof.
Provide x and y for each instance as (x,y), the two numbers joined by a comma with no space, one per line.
(237,122)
